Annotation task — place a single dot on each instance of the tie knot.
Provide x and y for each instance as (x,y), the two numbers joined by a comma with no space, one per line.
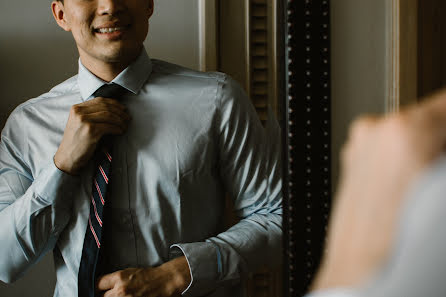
(112,90)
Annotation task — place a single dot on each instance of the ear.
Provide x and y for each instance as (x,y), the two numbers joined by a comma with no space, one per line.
(58,10)
(150,10)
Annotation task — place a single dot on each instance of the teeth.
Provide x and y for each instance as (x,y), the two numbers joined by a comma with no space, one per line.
(110,30)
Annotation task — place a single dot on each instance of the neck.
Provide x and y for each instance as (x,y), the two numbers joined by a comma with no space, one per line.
(105,70)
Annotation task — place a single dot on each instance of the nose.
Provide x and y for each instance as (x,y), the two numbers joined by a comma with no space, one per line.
(110,7)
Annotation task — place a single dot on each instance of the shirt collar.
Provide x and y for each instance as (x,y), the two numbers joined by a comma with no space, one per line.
(132,78)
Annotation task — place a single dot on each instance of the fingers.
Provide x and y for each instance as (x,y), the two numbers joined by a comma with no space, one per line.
(434,104)
(363,125)
(101,116)
(359,134)
(101,104)
(428,119)
(109,109)
(114,284)
(94,126)
(99,130)
(106,282)
(106,117)
(99,100)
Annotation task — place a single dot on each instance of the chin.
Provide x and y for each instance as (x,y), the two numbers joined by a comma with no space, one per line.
(120,55)
(114,58)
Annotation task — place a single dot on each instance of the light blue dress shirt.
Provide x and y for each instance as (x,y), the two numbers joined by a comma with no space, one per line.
(192,137)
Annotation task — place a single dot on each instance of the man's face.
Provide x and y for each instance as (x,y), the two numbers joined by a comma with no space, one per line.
(109,31)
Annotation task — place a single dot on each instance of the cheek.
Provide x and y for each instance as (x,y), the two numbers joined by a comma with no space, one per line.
(145,30)
(143,27)
(81,23)
(81,35)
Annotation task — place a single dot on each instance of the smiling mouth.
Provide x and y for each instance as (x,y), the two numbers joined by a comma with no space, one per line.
(109,30)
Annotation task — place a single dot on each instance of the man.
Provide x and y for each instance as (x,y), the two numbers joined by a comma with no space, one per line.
(180,138)
(386,234)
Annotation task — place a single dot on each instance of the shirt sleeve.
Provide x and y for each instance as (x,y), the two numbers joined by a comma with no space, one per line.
(251,172)
(33,209)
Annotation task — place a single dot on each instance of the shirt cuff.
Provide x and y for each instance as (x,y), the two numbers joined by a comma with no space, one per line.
(53,183)
(204,260)
(56,188)
(338,292)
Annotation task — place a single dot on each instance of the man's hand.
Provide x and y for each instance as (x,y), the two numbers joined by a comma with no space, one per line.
(167,280)
(87,123)
(380,160)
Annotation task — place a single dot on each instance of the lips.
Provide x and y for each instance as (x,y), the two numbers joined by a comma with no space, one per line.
(110,28)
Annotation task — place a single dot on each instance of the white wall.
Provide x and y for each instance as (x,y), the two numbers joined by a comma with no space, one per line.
(173,34)
(35,55)
(358,29)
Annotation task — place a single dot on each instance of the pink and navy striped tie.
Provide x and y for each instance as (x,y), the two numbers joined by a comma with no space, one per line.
(92,243)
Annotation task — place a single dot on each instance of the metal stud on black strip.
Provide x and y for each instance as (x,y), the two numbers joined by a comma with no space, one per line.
(308,170)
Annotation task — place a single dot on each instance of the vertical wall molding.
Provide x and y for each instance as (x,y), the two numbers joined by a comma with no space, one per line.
(393,81)
(401,53)
(207,27)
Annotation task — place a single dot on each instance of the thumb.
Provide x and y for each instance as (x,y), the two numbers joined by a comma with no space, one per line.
(106,282)
(427,123)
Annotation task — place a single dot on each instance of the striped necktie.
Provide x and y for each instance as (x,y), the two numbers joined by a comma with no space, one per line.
(92,243)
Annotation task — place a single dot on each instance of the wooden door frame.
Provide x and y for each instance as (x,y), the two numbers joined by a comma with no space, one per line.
(207,34)
(402,18)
